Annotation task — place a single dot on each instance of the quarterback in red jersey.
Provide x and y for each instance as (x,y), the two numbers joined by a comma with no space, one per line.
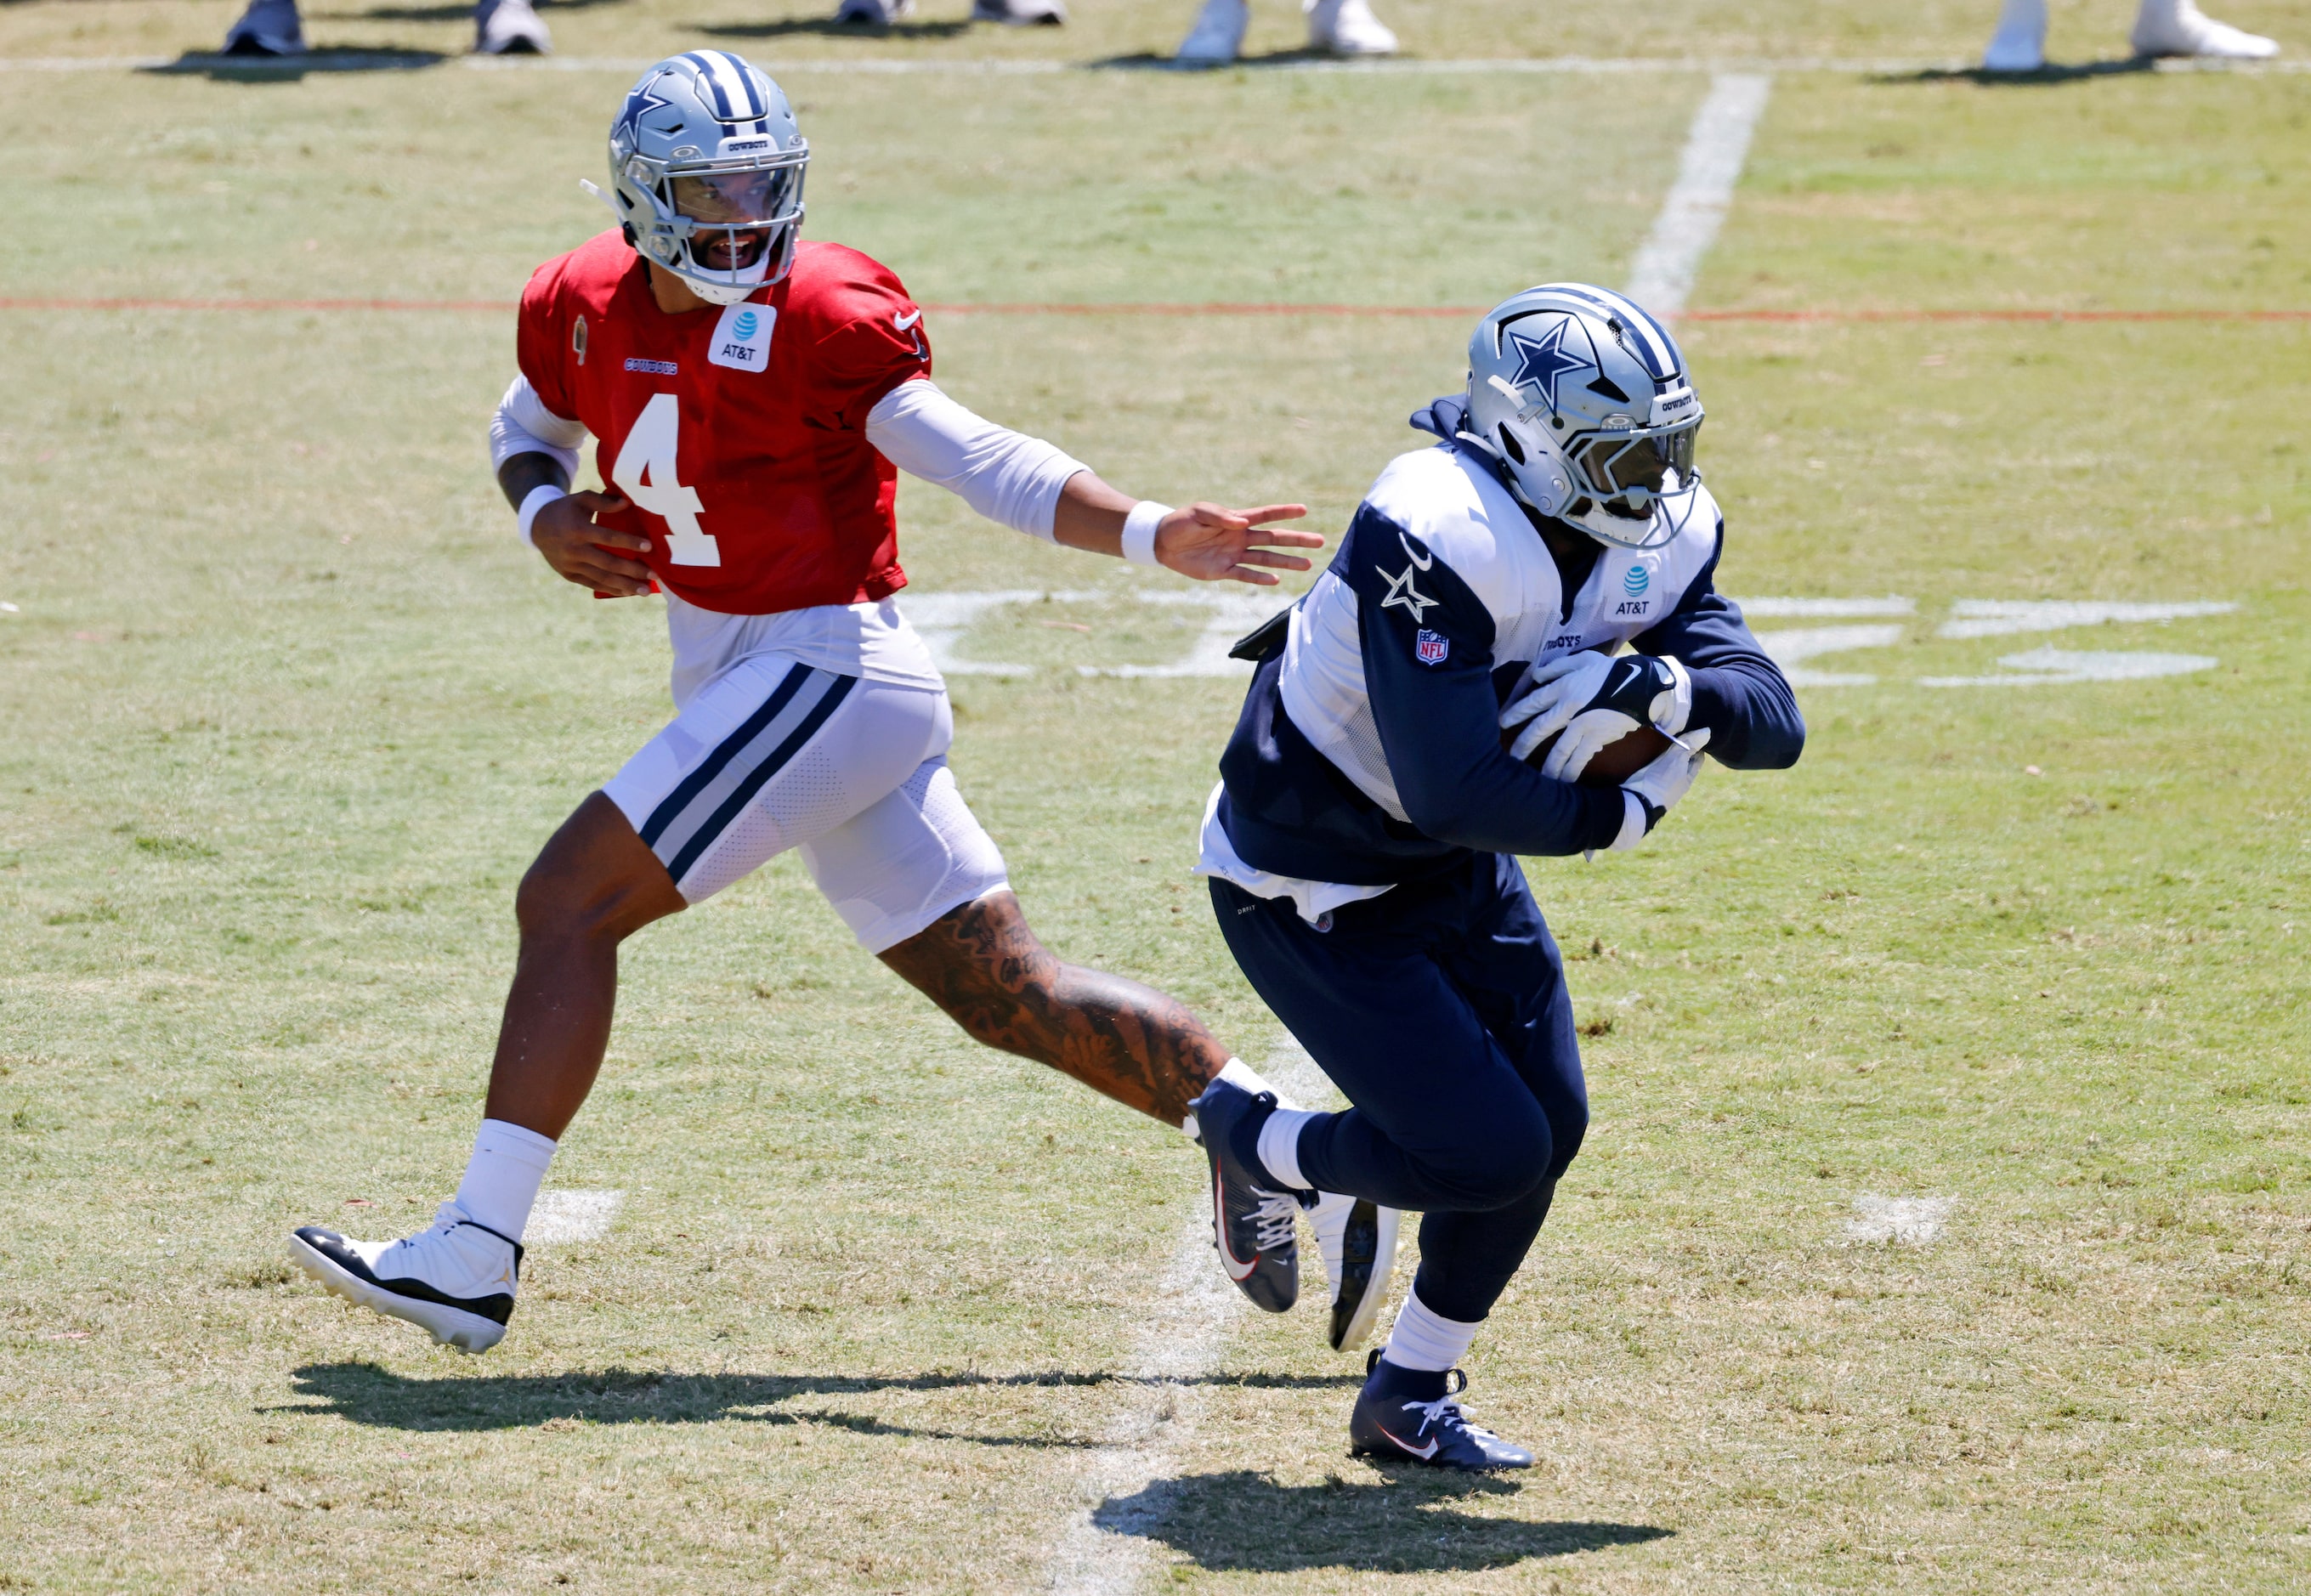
(753,397)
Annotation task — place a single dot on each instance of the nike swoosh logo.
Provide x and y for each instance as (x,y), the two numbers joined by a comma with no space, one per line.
(1236,1272)
(903,322)
(1422,561)
(1423,1453)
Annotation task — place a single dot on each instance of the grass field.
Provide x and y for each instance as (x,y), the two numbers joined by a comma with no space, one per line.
(285,710)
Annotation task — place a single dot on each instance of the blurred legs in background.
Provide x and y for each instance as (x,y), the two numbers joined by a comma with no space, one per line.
(1011,14)
(2162,28)
(1336,27)
(501,28)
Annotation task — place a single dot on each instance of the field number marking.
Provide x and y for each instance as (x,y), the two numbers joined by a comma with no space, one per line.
(944,620)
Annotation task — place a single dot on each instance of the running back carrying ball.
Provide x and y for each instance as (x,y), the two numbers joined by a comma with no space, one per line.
(1596,719)
(1611,765)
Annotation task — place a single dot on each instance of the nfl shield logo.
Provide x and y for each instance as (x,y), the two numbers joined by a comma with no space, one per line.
(1431,647)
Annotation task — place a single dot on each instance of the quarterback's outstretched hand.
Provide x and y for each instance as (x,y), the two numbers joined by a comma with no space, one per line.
(1658,786)
(579,551)
(1215,544)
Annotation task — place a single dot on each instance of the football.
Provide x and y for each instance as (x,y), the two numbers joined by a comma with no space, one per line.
(1613,764)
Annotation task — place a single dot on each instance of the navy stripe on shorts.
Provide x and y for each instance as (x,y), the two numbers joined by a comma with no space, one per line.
(695,814)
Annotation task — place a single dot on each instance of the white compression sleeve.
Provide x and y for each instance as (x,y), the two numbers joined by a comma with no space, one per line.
(1007,476)
(523,425)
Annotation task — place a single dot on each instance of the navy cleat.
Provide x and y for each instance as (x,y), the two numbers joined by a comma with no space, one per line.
(1356,1239)
(1409,1416)
(454,1279)
(1255,1228)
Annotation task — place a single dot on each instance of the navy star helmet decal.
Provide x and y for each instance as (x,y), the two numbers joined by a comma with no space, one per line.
(627,130)
(1544,361)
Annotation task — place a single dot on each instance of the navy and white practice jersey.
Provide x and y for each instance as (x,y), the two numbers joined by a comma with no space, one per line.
(1369,750)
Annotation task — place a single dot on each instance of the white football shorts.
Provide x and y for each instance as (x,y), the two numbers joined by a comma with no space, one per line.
(773,754)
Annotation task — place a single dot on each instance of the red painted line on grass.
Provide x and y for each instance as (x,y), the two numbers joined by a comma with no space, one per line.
(2185,314)
(1448,312)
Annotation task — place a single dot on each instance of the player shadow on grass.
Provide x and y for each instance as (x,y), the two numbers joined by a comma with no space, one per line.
(288,69)
(365,1393)
(1242,1522)
(1149,61)
(827,27)
(2048,74)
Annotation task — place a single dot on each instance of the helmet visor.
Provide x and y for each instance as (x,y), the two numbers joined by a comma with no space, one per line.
(731,218)
(760,197)
(1616,465)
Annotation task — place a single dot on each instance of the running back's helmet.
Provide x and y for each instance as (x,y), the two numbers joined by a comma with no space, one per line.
(706,169)
(1581,395)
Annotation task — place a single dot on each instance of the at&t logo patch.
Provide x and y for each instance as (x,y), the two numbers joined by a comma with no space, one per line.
(1430,648)
(742,338)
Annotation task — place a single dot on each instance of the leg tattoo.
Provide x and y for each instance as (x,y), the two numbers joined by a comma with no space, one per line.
(984,966)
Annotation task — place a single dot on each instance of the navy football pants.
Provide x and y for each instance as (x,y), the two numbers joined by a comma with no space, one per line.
(1440,1010)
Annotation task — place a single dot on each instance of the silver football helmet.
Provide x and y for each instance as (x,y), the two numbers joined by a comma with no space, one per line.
(706,169)
(1581,395)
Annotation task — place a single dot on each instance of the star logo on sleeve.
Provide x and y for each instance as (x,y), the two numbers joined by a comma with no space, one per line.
(1545,362)
(627,130)
(1400,591)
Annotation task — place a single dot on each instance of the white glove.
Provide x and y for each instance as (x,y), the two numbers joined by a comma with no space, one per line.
(1554,692)
(1598,700)
(1658,787)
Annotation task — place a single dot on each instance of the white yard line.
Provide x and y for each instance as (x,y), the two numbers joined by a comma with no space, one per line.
(1907,1221)
(1181,1337)
(571,1216)
(868,66)
(1714,150)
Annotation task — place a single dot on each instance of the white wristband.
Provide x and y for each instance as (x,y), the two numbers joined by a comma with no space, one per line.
(1139,532)
(536,500)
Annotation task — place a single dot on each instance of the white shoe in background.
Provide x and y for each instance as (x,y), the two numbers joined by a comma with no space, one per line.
(1346,28)
(2179,28)
(2020,44)
(509,28)
(1217,36)
(267,28)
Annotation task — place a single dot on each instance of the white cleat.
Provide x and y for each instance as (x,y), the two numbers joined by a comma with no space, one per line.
(509,28)
(454,1279)
(1019,14)
(1217,37)
(1346,28)
(1357,1239)
(2179,28)
(873,13)
(267,28)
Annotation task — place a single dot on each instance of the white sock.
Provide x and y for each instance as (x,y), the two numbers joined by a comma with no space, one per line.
(1280,1145)
(503,1175)
(1425,1339)
(1237,1073)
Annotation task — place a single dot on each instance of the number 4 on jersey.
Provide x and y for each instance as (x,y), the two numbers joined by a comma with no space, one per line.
(646,473)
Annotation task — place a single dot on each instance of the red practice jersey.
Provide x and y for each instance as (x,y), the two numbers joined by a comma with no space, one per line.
(737,432)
